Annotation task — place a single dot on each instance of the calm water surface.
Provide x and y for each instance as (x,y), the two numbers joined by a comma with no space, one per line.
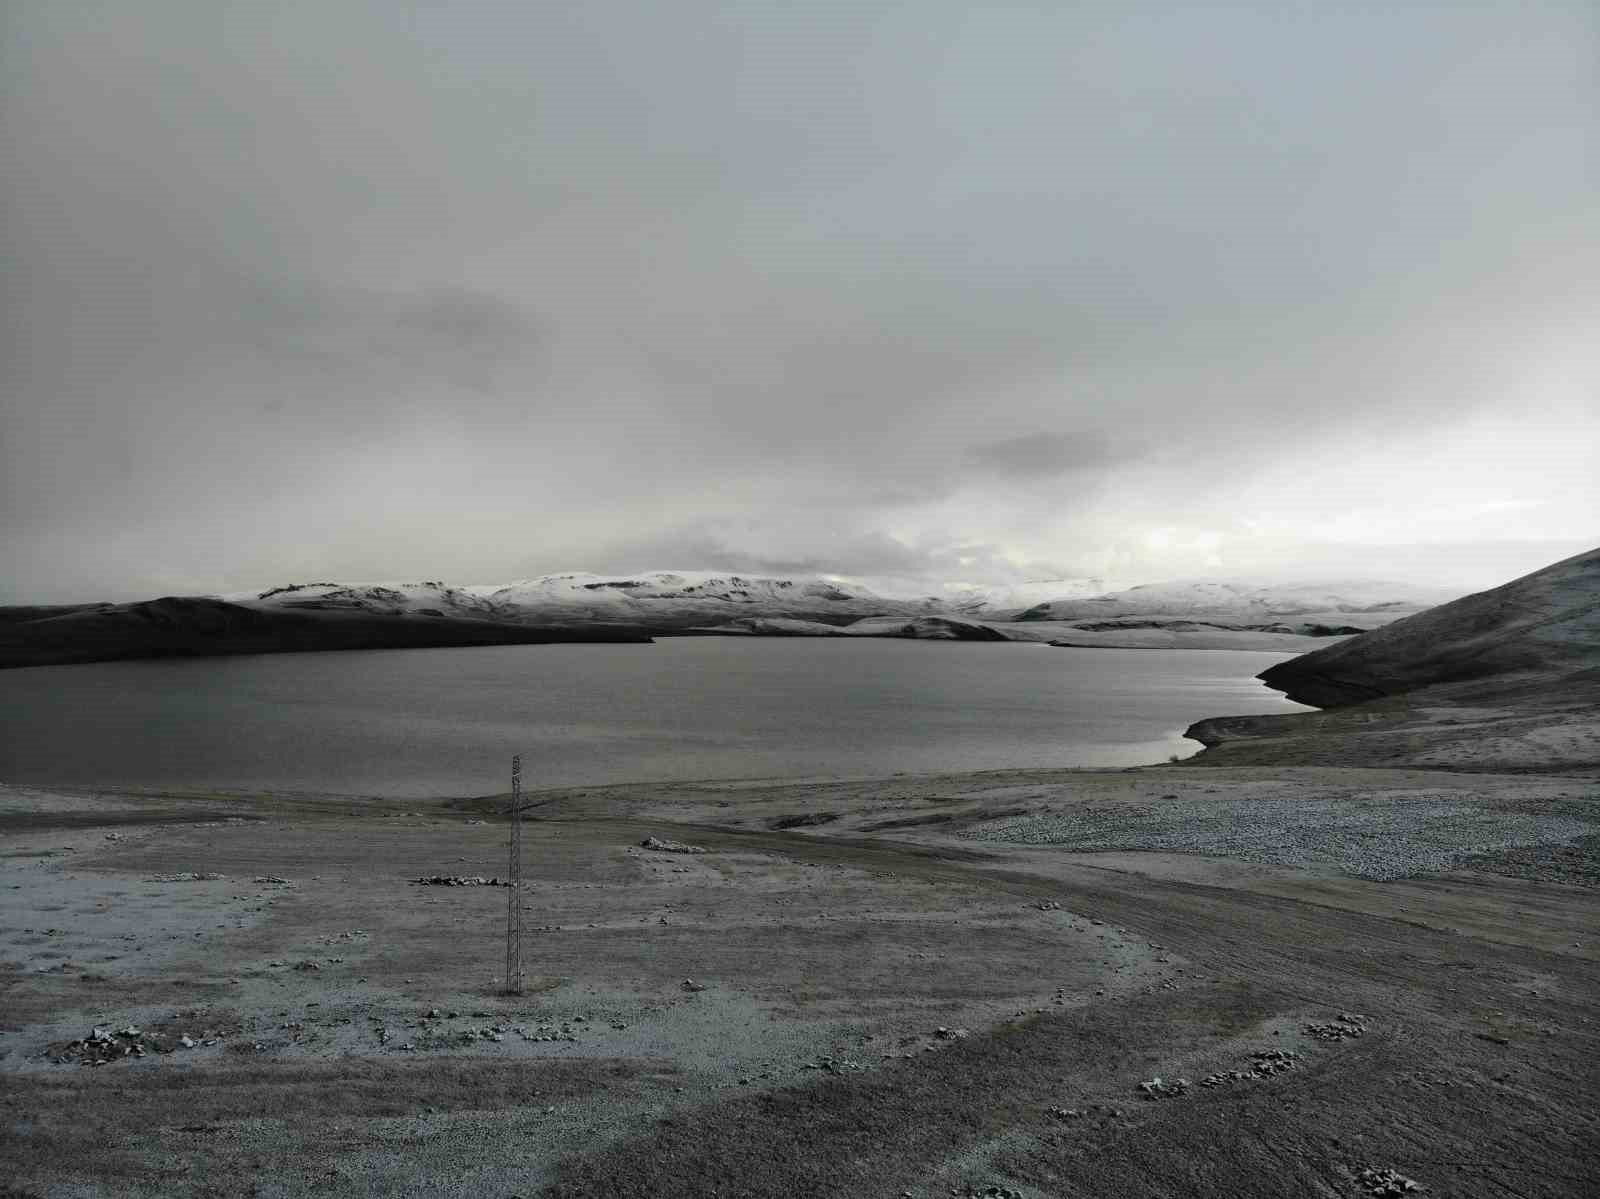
(445,721)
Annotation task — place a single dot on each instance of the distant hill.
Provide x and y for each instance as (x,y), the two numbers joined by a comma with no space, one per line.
(1544,625)
(660,600)
(197,626)
(1504,680)
(591,607)
(1352,605)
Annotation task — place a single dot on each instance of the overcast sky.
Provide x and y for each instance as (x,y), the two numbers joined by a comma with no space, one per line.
(931,290)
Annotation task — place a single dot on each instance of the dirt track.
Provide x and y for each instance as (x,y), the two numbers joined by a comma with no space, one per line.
(763,1018)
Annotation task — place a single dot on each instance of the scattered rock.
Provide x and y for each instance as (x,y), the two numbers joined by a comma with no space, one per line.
(690,985)
(951,1034)
(1387,1182)
(186,876)
(661,846)
(832,1065)
(458,880)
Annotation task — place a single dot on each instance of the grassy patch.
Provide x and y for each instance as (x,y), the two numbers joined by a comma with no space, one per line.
(101,1123)
(867,1134)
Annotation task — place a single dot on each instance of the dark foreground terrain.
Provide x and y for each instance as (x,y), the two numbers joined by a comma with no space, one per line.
(199,626)
(1056,983)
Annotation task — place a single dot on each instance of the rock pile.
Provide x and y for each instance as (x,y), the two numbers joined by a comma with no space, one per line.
(458,880)
(661,846)
(1105,1111)
(1387,1182)
(104,1045)
(548,1032)
(1341,1027)
(1157,1089)
(1264,1064)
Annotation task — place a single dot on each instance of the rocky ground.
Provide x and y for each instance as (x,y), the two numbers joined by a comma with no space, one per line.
(1151,982)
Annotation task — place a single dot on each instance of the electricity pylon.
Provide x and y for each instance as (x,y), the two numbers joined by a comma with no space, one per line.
(514,886)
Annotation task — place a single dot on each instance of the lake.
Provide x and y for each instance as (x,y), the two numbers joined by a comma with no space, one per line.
(439,722)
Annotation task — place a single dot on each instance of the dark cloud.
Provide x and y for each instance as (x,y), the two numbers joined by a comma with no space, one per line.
(306,290)
(1049,455)
(463,338)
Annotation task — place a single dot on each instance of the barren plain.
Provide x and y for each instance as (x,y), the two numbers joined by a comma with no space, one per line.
(1182,980)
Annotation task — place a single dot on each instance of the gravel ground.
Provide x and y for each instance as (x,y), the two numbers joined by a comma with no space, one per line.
(1576,864)
(1374,835)
(839,965)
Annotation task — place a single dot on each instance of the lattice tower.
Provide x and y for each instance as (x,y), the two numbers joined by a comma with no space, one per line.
(514,886)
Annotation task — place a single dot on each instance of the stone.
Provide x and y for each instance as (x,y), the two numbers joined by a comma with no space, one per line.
(1157,1089)
(663,846)
(1387,1182)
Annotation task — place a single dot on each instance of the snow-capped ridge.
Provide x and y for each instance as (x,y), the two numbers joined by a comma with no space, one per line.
(680,600)
(1250,601)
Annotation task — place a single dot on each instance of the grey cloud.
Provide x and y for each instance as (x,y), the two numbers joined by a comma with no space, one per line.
(336,289)
(875,557)
(717,549)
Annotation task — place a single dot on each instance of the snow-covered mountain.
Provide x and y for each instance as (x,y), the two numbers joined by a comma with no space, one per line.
(651,600)
(630,607)
(675,600)
(1355,603)
(993,601)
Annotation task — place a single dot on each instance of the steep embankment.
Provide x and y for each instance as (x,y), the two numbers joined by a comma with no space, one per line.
(1506,679)
(1546,624)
